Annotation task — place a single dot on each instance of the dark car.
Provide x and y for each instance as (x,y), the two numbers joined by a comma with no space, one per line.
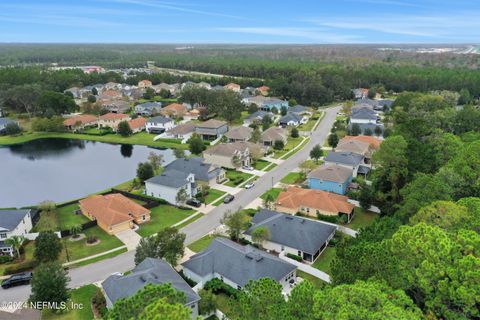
(194,203)
(17,279)
(228,199)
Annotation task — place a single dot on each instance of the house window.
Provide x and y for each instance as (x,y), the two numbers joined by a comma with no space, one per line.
(238,287)
(143,217)
(3,235)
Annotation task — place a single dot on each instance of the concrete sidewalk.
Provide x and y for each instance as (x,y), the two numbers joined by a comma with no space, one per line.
(357,204)
(306,268)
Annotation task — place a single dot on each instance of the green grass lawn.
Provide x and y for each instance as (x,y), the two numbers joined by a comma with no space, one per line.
(291,143)
(79,249)
(223,303)
(261,164)
(292,178)
(362,219)
(28,248)
(286,156)
(202,243)
(181,225)
(67,218)
(318,283)
(141,138)
(213,194)
(161,217)
(233,174)
(93,260)
(48,221)
(83,296)
(323,262)
(218,202)
(274,192)
(308,126)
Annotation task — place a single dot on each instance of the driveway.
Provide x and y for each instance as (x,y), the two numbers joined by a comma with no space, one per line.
(130,238)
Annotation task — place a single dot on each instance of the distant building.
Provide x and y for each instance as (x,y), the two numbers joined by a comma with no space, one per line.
(112,120)
(138,124)
(148,108)
(159,124)
(79,122)
(144,84)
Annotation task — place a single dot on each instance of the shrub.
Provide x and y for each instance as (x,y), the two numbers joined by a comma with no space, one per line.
(332,219)
(218,286)
(100,303)
(190,282)
(21,267)
(5,259)
(244,241)
(294,257)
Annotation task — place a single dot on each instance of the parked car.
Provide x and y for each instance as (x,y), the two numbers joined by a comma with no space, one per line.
(249,185)
(247,168)
(229,198)
(17,279)
(194,203)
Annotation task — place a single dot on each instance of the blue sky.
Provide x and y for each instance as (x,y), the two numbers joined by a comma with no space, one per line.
(245,21)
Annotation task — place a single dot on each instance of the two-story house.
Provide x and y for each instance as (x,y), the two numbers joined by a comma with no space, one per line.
(112,120)
(159,124)
(148,108)
(211,129)
(232,155)
(167,186)
(13,223)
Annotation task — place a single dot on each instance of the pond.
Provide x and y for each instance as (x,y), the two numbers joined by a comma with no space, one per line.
(63,169)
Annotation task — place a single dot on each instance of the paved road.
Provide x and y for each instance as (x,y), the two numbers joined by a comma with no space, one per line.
(100,270)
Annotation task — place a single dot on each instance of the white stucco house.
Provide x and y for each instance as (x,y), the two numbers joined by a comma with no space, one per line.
(159,124)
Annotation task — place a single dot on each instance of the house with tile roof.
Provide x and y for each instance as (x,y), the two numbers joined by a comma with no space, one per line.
(240,133)
(80,121)
(235,265)
(174,110)
(138,124)
(311,202)
(112,120)
(113,212)
(232,86)
(263,90)
(144,84)
(292,234)
(149,271)
(372,141)
(13,223)
(330,178)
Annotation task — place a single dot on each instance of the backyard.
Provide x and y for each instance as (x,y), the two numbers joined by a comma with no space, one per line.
(163,216)
(323,262)
(361,219)
(317,283)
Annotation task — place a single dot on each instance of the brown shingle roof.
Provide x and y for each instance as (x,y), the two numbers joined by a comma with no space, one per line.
(354,146)
(183,128)
(176,109)
(331,172)
(211,124)
(112,209)
(229,149)
(274,133)
(295,197)
(239,133)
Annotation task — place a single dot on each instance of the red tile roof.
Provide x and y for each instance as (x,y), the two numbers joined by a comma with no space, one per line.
(83,119)
(137,123)
(113,116)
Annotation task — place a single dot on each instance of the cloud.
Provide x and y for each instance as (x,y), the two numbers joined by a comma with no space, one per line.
(59,20)
(316,34)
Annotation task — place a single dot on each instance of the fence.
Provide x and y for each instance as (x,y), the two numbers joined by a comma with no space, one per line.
(84,226)
(149,202)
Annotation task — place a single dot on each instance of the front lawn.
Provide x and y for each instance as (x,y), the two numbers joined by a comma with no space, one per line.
(236,178)
(213,194)
(293,178)
(362,219)
(67,217)
(82,297)
(300,146)
(79,249)
(261,164)
(202,244)
(28,250)
(291,143)
(161,217)
(323,262)
(274,192)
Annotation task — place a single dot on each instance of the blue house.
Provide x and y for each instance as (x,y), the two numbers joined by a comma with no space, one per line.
(271,103)
(331,178)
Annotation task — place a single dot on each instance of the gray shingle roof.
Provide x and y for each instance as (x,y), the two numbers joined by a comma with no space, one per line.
(290,117)
(149,105)
(239,133)
(237,263)
(5,121)
(10,219)
(202,171)
(159,119)
(171,178)
(365,126)
(364,113)
(331,172)
(297,109)
(259,115)
(348,158)
(154,271)
(292,231)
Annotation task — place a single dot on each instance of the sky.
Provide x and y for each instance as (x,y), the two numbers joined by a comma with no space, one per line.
(244,21)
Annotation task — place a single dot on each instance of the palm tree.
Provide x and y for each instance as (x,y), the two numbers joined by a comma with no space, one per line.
(16,243)
(75,230)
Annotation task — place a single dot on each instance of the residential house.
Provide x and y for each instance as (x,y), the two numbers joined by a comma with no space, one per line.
(174,110)
(292,234)
(148,108)
(360,93)
(232,86)
(378,105)
(292,119)
(266,103)
(356,146)
(204,85)
(312,202)
(116,106)
(159,124)
(114,212)
(183,131)
(172,88)
(144,84)
(236,265)
(239,134)
(13,223)
(263,90)
(80,121)
(363,115)
(232,155)
(257,117)
(112,120)
(273,134)
(204,173)
(75,91)
(211,129)
(367,127)
(168,185)
(374,142)
(109,95)
(349,160)
(193,114)
(299,109)
(331,178)
(138,124)
(4,122)
(112,86)
(149,271)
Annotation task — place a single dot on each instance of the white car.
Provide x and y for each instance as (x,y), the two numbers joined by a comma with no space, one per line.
(247,168)
(249,185)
